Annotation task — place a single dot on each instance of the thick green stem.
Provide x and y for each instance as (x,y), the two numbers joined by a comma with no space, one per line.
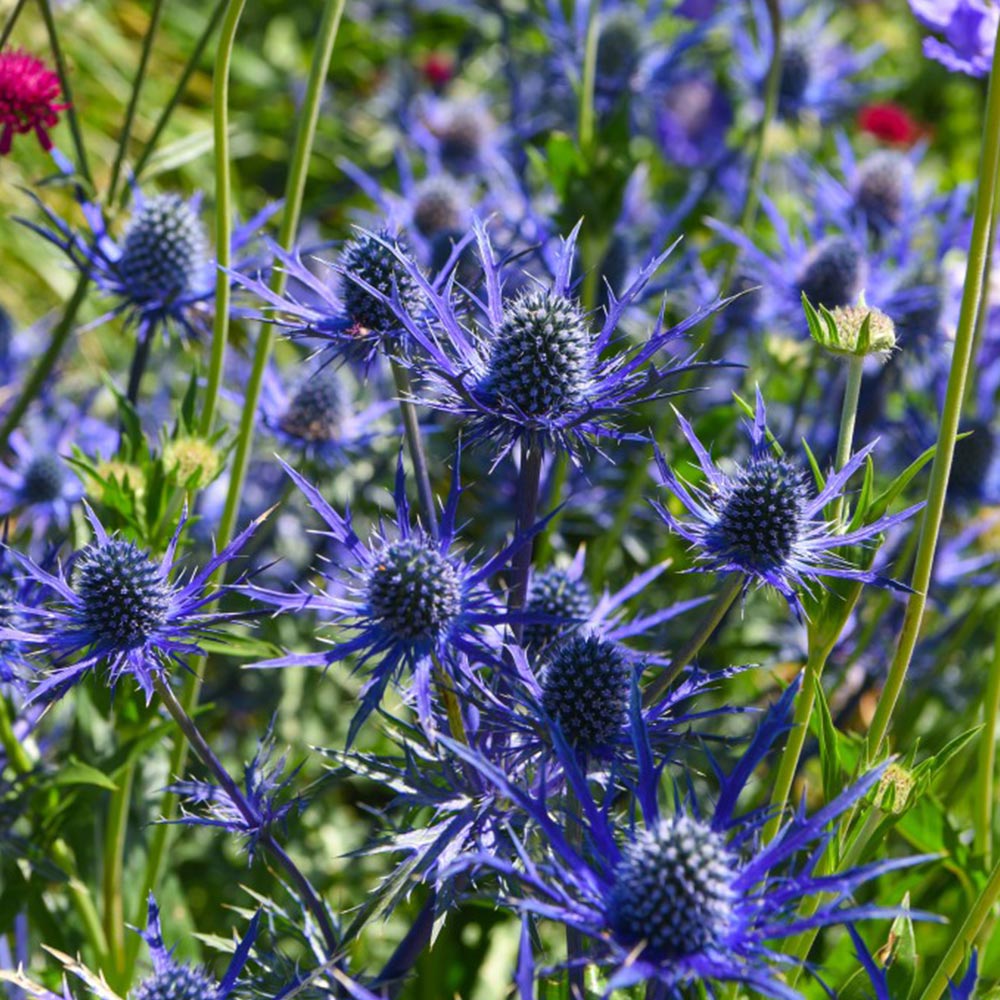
(415,445)
(46,363)
(294,190)
(586,115)
(848,417)
(114,880)
(67,91)
(717,610)
(966,935)
(133,101)
(223,209)
(986,767)
(789,762)
(975,276)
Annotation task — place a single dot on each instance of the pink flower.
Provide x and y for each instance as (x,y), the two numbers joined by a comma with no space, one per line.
(29,93)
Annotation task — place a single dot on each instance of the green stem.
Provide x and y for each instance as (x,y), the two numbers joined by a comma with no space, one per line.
(975,276)
(789,762)
(982,309)
(67,92)
(114,881)
(586,115)
(986,767)
(731,588)
(294,190)
(223,209)
(966,935)
(415,444)
(188,72)
(848,417)
(133,101)
(45,364)
(11,21)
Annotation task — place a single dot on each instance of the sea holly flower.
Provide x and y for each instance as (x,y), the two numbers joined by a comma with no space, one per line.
(267,798)
(690,894)
(173,980)
(40,487)
(29,98)
(411,600)
(969,30)
(352,319)
(114,606)
(160,270)
(819,71)
(531,367)
(317,415)
(765,521)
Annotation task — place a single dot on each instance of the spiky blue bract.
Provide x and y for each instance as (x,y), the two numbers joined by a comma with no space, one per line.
(533,366)
(115,607)
(159,271)
(765,521)
(173,980)
(409,599)
(268,801)
(969,30)
(687,895)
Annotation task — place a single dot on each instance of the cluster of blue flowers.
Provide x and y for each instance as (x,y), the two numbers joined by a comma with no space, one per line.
(511,518)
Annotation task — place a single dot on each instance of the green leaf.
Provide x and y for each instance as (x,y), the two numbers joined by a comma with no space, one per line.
(75,772)
(829,747)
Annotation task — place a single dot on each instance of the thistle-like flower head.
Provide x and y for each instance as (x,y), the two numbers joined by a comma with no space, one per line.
(765,522)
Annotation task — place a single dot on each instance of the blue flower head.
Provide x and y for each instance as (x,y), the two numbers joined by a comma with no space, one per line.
(409,598)
(532,367)
(160,270)
(687,895)
(115,606)
(40,488)
(765,522)
(969,30)
(173,980)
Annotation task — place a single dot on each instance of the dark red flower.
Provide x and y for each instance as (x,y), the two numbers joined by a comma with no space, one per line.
(438,69)
(29,94)
(890,123)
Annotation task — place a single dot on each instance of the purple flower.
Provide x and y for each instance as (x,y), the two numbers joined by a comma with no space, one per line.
(160,270)
(118,608)
(530,367)
(410,599)
(40,488)
(765,521)
(969,28)
(689,895)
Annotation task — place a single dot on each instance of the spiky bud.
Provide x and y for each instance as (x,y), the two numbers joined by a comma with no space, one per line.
(761,514)
(414,591)
(834,272)
(554,593)
(461,138)
(796,75)
(190,457)
(851,331)
(124,596)
(44,478)
(163,252)
(317,409)
(369,259)
(540,361)
(585,688)
(179,982)
(880,189)
(672,890)
(437,208)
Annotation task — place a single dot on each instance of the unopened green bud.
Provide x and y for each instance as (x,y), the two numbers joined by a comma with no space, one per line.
(851,331)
